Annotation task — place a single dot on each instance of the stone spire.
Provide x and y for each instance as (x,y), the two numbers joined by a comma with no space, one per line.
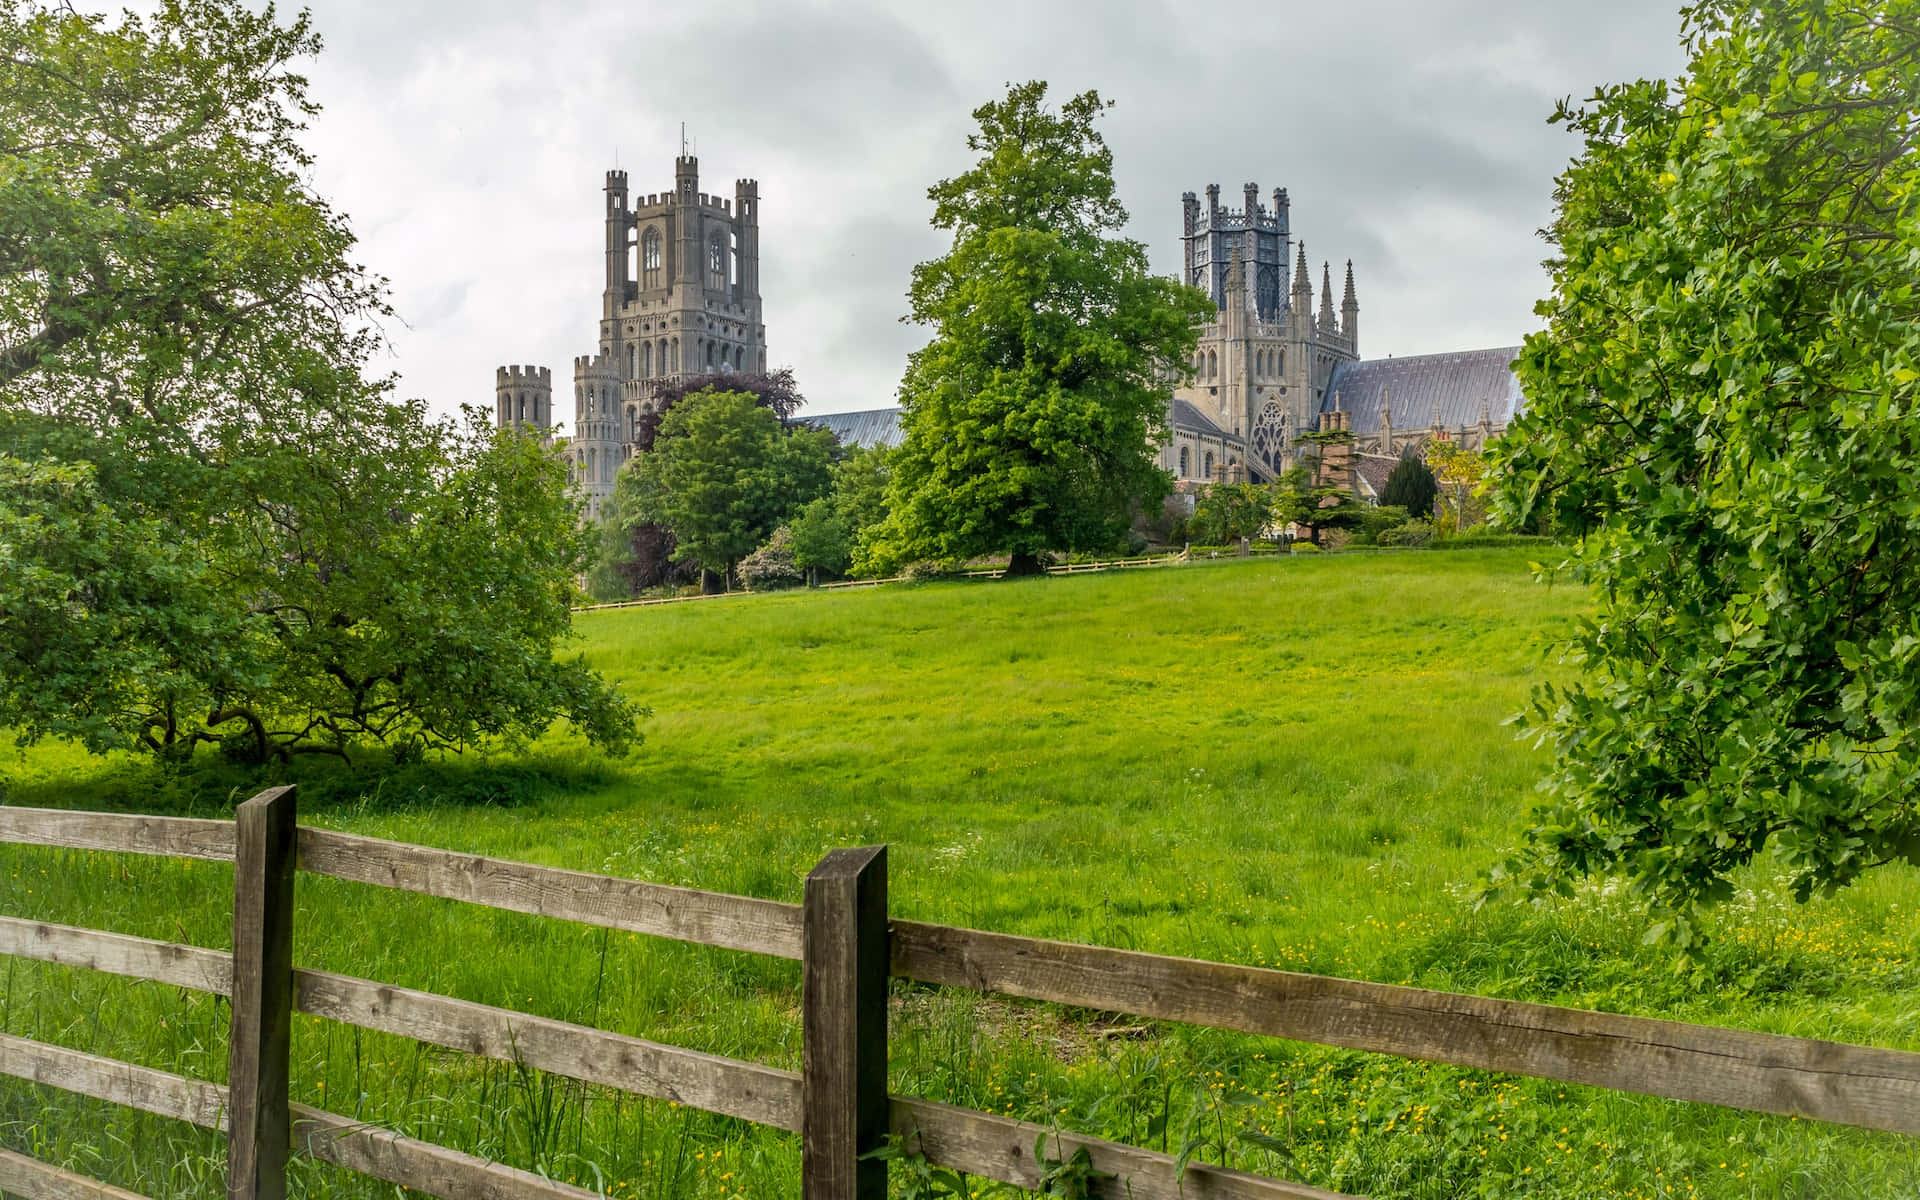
(1326,296)
(1350,312)
(1302,302)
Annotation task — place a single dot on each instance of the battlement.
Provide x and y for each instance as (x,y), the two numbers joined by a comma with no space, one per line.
(593,364)
(523,376)
(616,181)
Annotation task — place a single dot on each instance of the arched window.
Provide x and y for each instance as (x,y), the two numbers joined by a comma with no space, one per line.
(1213,365)
(593,466)
(633,425)
(738,352)
(1185,463)
(717,264)
(676,356)
(1209,464)
(646,361)
(650,258)
(1280,362)
(709,355)
(523,406)
(633,362)
(662,361)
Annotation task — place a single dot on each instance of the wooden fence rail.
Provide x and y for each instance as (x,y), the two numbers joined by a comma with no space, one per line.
(838,1102)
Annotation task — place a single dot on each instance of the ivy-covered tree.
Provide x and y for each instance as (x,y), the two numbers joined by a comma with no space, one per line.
(1724,415)
(213,526)
(1033,415)
(1411,485)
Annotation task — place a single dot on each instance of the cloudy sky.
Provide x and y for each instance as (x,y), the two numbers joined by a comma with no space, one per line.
(468,140)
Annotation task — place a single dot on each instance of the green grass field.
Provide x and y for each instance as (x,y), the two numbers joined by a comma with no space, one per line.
(1297,763)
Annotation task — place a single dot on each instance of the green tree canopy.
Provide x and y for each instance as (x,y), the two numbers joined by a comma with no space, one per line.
(215,528)
(1033,416)
(1723,413)
(1411,485)
(722,475)
(1227,512)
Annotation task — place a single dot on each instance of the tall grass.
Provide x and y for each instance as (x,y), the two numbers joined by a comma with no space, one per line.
(1296,763)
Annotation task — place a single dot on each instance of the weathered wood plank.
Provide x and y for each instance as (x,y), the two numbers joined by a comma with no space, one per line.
(419,1166)
(158,1092)
(180,837)
(1001,1148)
(31,1179)
(118,954)
(709,918)
(843,1021)
(1828,1081)
(748,1091)
(260,1032)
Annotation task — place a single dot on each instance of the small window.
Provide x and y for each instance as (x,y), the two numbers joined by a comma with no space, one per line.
(1185,463)
(1209,464)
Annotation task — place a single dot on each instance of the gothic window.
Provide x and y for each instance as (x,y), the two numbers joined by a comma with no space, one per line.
(1268,297)
(676,355)
(1213,365)
(523,406)
(593,466)
(1185,463)
(1280,363)
(1270,436)
(633,362)
(1209,464)
(646,361)
(739,353)
(717,264)
(663,356)
(709,355)
(650,258)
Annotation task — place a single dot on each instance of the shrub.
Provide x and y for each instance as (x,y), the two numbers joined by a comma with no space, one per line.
(1413,533)
(770,568)
(1306,548)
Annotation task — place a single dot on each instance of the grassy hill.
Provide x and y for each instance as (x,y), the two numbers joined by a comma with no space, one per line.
(1295,763)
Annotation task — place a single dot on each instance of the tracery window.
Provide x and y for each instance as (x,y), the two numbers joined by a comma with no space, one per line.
(1270,436)
(717,264)
(650,258)
(646,361)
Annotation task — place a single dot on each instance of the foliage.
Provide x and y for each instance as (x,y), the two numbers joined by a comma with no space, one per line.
(216,530)
(1227,512)
(1723,414)
(722,475)
(1413,533)
(1462,478)
(1411,486)
(1033,415)
(772,566)
(822,539)
(1375,520)
(1300,499)
(776,391)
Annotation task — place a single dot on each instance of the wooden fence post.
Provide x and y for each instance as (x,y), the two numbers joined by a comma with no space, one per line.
(261,1026)
(843,1054)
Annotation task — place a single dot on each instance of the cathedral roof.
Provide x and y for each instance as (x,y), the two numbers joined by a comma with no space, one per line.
(1428,389)
(874,427)
(1186,416)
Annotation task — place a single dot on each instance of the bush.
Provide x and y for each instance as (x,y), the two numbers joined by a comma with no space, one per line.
(1413,533)
(770,568)
(1304,547)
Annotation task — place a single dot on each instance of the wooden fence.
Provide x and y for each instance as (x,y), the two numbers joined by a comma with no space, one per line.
(838,1102)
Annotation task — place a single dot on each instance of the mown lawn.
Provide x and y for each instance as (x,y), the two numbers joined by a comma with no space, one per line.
(1297,763)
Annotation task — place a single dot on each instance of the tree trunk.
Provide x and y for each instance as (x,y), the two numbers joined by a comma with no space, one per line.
(710,582)
(1023,563)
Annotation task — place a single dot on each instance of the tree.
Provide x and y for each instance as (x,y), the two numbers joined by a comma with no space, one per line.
(1298,499)
(722,475)
(1411,485)
(1723,415)
(1462,478)
(1227,512)
(216,529)
(821,539)
(1033,415)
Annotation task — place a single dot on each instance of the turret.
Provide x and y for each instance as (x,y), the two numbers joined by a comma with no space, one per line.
(1190,213)
(746,209)
(688,263)
(523,398)
(1252,191)
(618,221)
(1350,313)
(1213,202)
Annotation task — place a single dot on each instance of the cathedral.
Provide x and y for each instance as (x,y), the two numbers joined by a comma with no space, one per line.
(682,299)
(1269,367)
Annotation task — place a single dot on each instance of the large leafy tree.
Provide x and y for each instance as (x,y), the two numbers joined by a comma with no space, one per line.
(213,526)
(723,473)
(1033,415)
(1724,416)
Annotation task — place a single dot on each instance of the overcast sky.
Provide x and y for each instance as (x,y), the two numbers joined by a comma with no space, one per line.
(468,140)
